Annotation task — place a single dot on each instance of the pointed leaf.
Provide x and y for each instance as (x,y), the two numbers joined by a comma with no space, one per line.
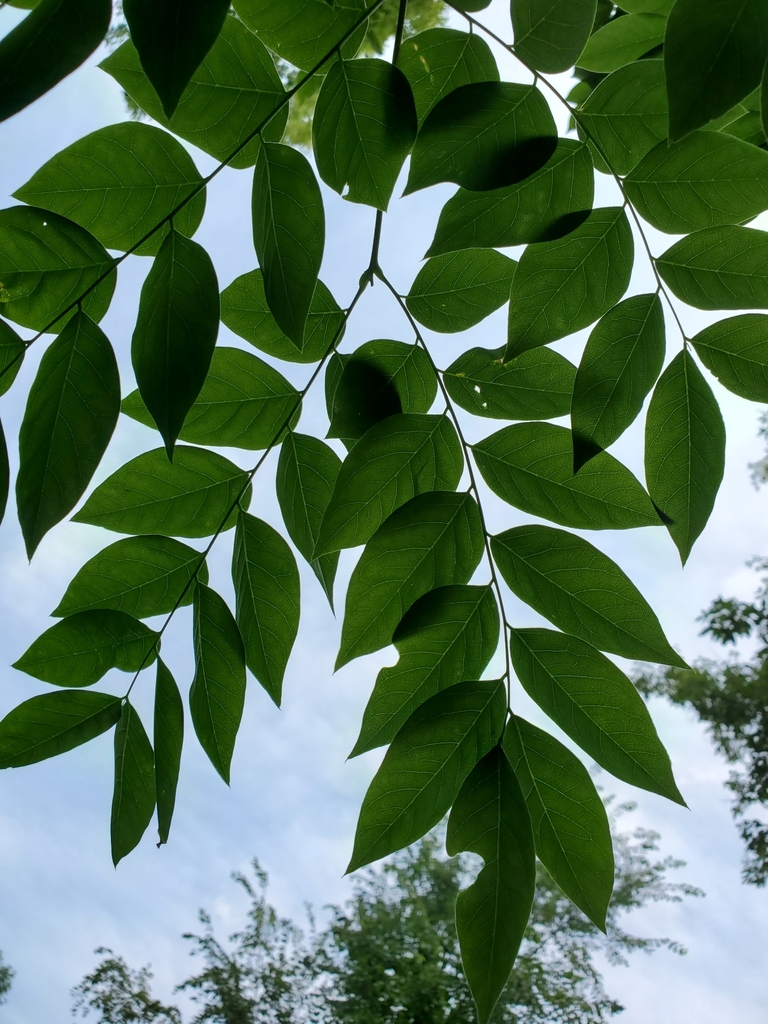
(169,738)
(53,723)
(622,41)
(133,799)
(12,351)
(550,34)
(456,291)
(5,473)
(735,350)
(719,268)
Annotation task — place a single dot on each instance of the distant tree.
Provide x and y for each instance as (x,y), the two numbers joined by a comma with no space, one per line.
(6,977)
(120,995)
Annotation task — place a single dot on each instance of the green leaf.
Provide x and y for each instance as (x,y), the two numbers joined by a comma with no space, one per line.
(440,60)
(47,264)
(80,649)
(483,136)
(714,55)
(684,450)
(719,268)
(530,466)
(306,474)
(71,413)
(550,34)
(244,310)
(448,636)
(536,385)
(456,291)
(175,334)
(595,704)
(646,6)
(141,576)
(119,183)
(735,350)
(620,364)
(563,286)
(172,39)
(579,589)
(192,497)
(267,589)
(230,95)
(545,205)
(570,826)
(244,403)
(12,351)
(5,473)
(47,46)
(703,181)
(169,739)
(217,694)
(425,766)
(490,818)
(626,115)
(622,41)
(288,234)
(434,540)
(363,128)
(133,799)
(53,723)
(398,458)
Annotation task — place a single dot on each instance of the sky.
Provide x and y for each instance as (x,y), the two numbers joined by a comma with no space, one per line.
(294,797)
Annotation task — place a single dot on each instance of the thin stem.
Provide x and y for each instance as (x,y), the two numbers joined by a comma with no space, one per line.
(399,30)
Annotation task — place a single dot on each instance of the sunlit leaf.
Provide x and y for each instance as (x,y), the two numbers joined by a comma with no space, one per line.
(168,739)
(53,723)
(133,799)
(456,291)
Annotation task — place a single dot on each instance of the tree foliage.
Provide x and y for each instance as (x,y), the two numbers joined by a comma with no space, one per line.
(668,110)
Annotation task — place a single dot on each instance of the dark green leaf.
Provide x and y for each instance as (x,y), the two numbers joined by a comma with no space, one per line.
(169,739)
(719,268)
(71,412)
(544,206)
(435,540)
(5,473)
(288,234)
(595,704)
(425,766)
(363,128)
(550,34)
(448,636)
(12,351)
(570,826)
(217,694)
(620,364)
(80,649)
(536,385)
(735,350)
(563,286)
(530,466)
(303,31)
(684,450)
(190,498)
(133,799)
(456,291)
(141,576)
(579,589)
(398,458)
(47,46)
(483,136)
(119,183)
(52,723)
(267,588)
(46,265)
(622,41)
(490,818)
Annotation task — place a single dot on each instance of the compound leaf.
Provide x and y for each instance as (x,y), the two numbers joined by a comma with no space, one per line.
(735,350)
(550,34)
(53,723)
(133,799)
(169,739)
(456,291)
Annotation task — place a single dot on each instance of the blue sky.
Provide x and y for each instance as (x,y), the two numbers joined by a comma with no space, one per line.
(294,798)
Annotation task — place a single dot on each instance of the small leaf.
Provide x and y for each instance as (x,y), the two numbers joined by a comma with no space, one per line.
(398,458)
(550,34)
(719,268)
(570,826)
(217,694)
(595,704)
(193,497)
(579,589)
(288,234)
(735,350)
(169,739)
(490,818)
(563,286)
(5,473)
(12,351)
(434,540)
(448,636)
(80,649)
(425,766)
(684,450)
(267,588)
(622,41)
(536,385)
(71,413)
(53,723)
(530,466)
(141,576)
(133,799)
(456,291)
(175,333)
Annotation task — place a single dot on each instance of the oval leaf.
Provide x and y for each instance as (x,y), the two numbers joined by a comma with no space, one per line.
(53,723)
(550,34)
(456,291)
(622,41)
(735,350)
(719,268)
(133,799)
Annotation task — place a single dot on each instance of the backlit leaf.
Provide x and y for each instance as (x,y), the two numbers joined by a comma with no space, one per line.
(5,472)
(133,799)
(735,350)
(169,739)
(456,291)
(550,34)
(11,356)
(622,41)
(719,268)
(303,31)
(53,723)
